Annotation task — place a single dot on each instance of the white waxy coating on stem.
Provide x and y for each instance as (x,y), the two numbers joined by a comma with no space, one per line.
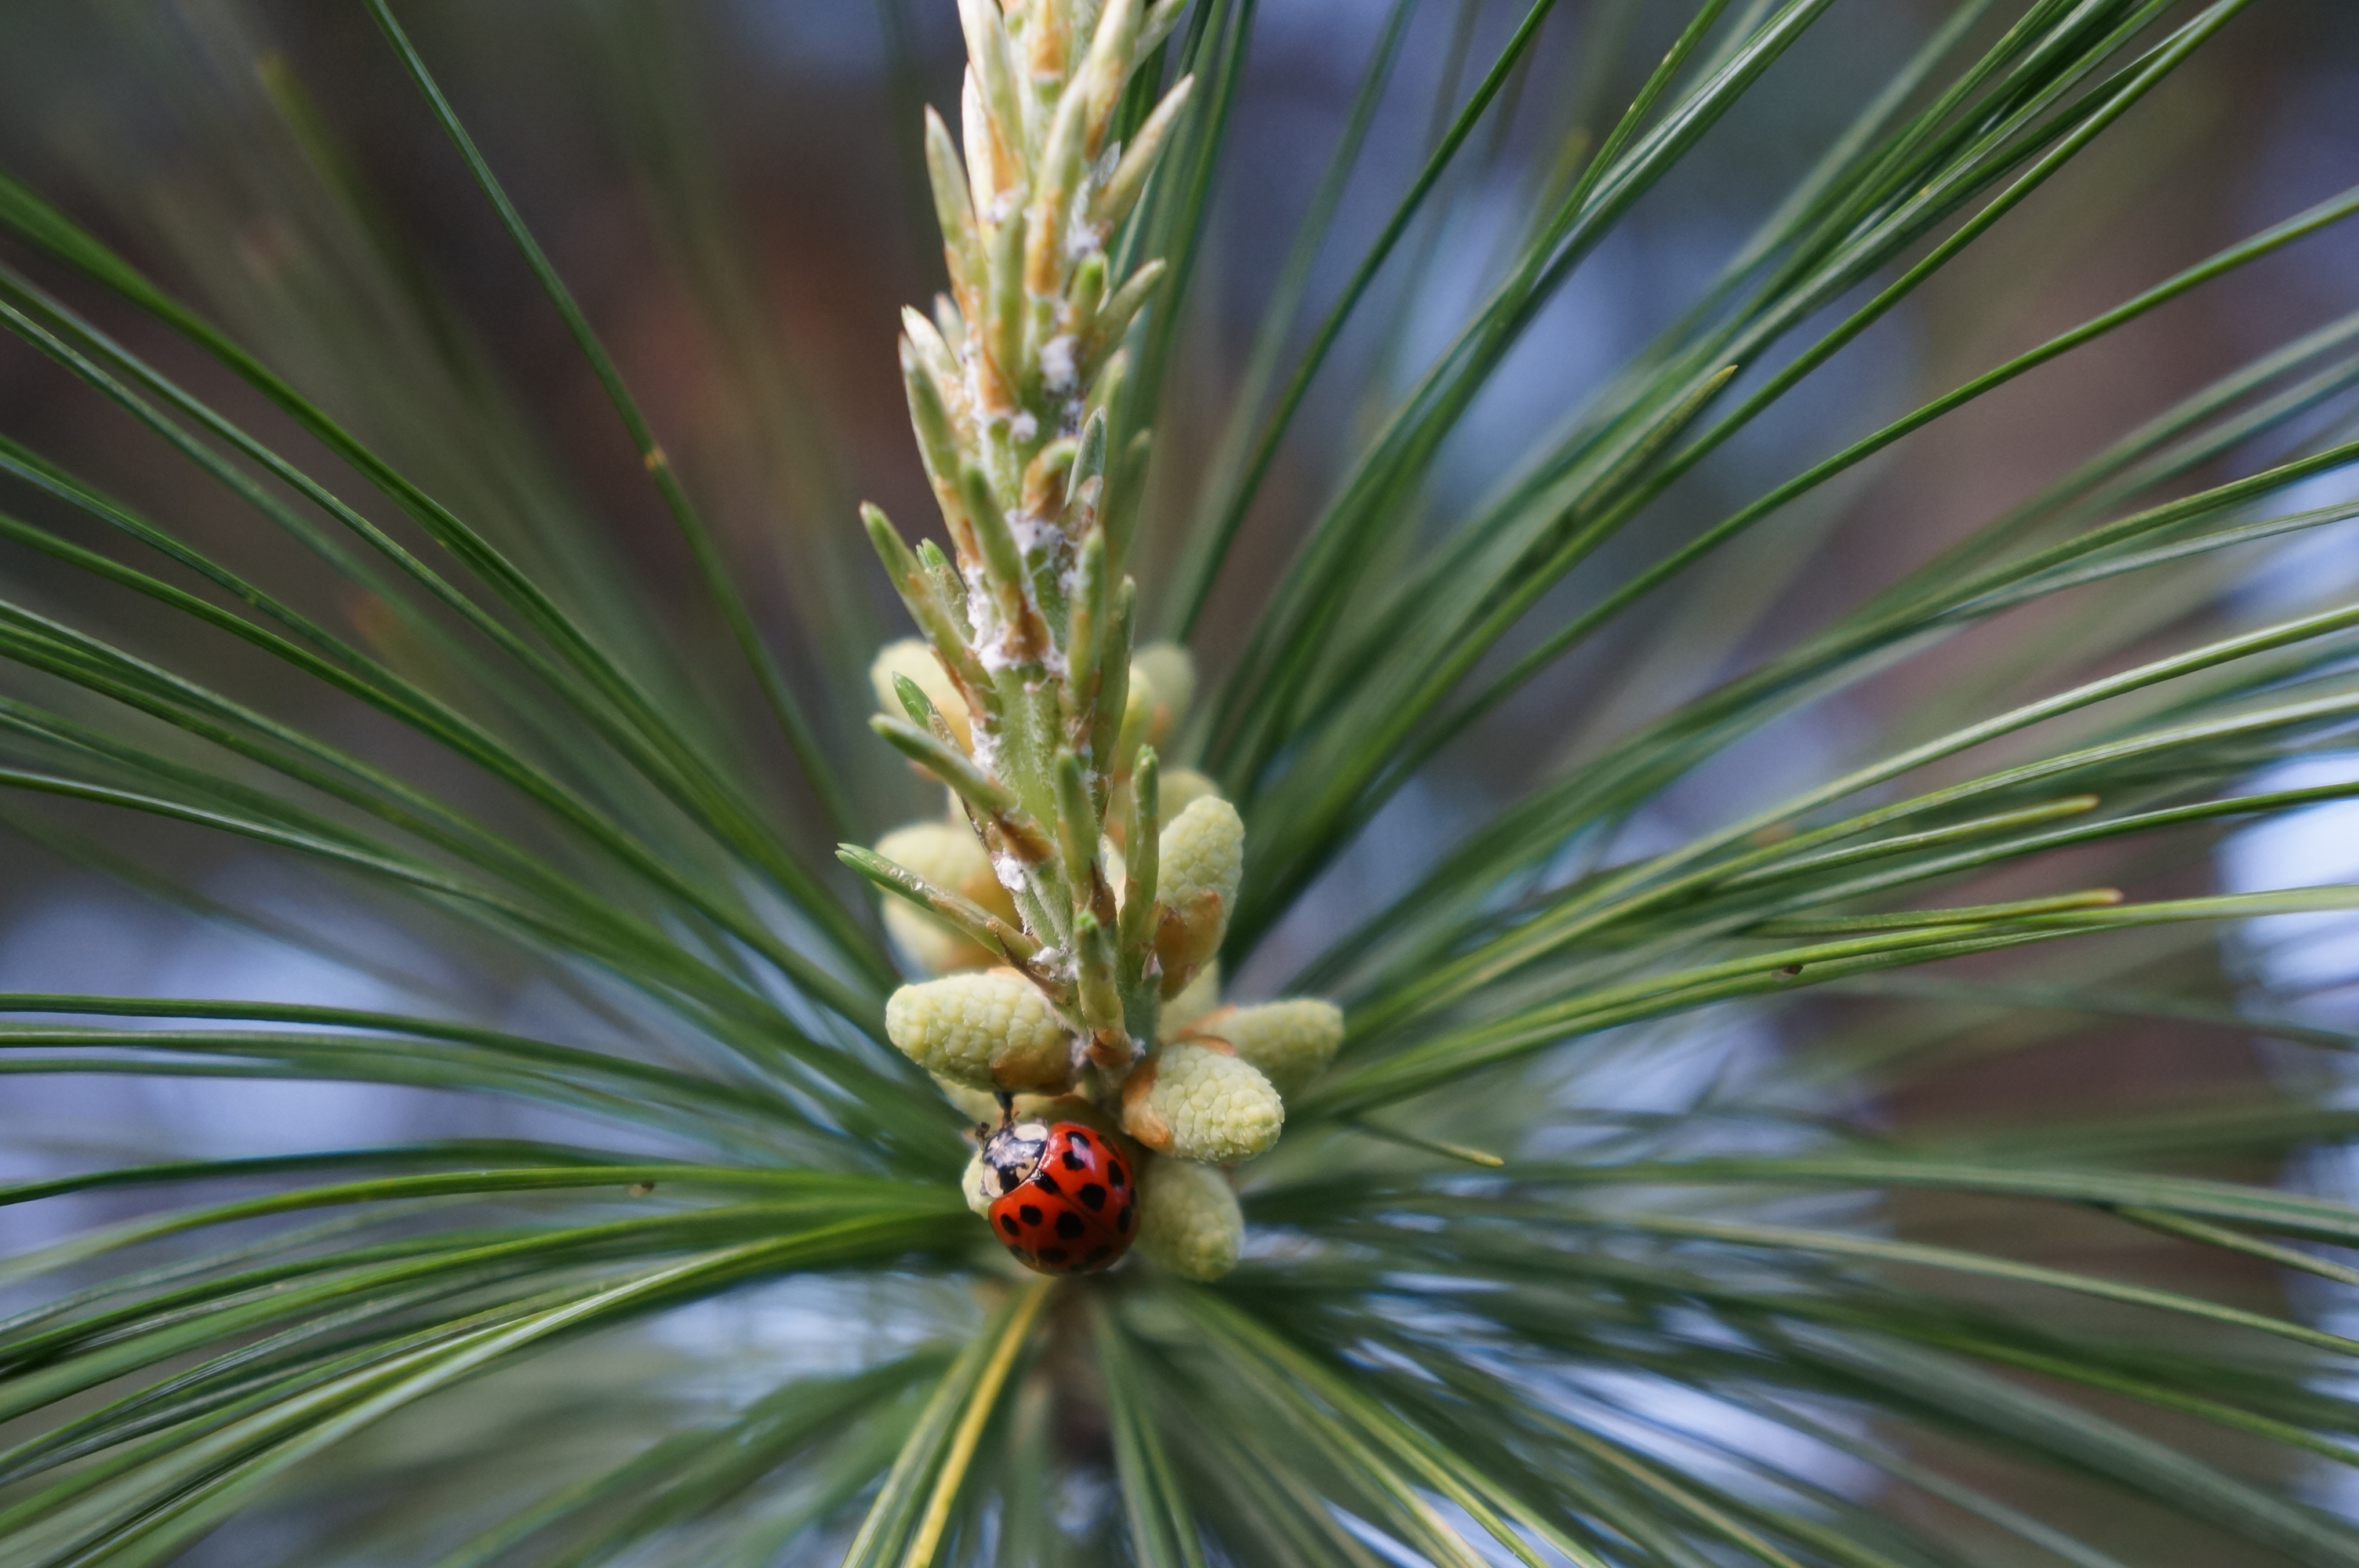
(1189,1220)
(1290,1041)
(1059,369)
(986,1030)
(1202,1104)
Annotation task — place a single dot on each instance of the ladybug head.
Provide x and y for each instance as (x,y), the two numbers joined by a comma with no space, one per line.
(1013,1152)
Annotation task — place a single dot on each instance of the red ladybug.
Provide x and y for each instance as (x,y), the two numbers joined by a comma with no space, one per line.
(1067,1203)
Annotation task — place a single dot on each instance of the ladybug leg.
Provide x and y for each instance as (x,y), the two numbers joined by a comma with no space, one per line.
(1006,1107)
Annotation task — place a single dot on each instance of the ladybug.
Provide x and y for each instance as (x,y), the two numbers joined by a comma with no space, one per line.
(1067,1203)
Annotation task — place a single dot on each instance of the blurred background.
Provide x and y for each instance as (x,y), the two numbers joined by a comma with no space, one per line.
(730,187)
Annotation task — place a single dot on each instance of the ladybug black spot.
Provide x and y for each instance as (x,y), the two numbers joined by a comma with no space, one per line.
(1052,1255)
(1069,1225)
(1080,1140)
(1048,1183)
(1117,1174)
(1007,1224)
(1072,1161)
(1097,1256)
(1121,1221)
(1093,1195)
(1030,1216)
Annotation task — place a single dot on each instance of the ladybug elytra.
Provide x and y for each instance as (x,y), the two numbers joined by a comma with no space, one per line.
(1067,1203)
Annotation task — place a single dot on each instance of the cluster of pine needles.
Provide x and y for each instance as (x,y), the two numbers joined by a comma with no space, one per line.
(719,1299)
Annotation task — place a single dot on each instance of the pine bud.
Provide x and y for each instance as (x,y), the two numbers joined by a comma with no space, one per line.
(1168,671)
(1182,787)
(1201,1103)
(981,1107)
(1201,850)
(949,856)
(1201,996)
(986,1030)
(1290,1041)
(914,659)
(1189,1220)
(931,943)
(1201,854)
(980,1184)
(978,1106)
(946,855)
